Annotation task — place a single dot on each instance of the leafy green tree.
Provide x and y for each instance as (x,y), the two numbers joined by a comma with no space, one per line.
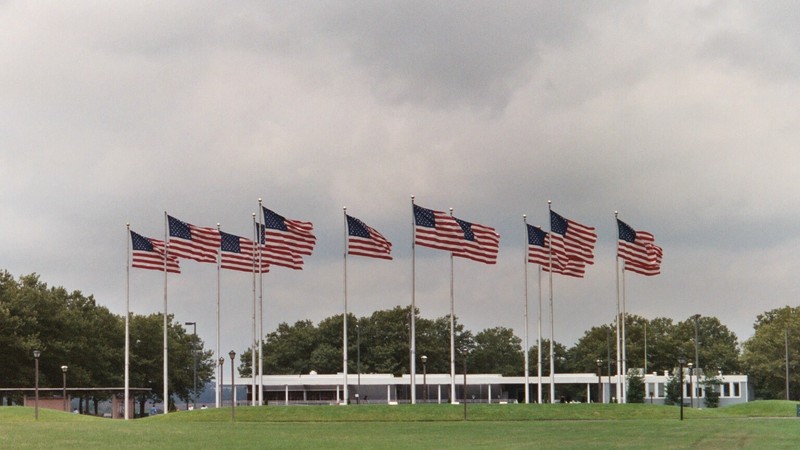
(497,350)
(711,386)
(764,354)
(673,390)
(147,364)
(634,391)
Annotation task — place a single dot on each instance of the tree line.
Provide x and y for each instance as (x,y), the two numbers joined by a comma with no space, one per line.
(72,329)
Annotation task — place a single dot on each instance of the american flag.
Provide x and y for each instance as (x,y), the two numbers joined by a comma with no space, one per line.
(539,253)
(294,236)
(638,250)
(480,243)
(278,255)
(238,253)
(436,229)
(571,240)
(149,254)
(363,240)
(192,242)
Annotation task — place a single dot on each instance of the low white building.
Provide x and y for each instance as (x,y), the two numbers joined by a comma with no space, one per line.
(485,388)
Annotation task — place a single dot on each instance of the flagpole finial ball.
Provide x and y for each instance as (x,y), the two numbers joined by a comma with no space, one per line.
(127,224)
(549,202)
(217,224)
(412,196)
(254,214)
(259,200)
(524,216)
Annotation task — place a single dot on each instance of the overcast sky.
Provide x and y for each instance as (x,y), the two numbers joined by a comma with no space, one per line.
(683,116)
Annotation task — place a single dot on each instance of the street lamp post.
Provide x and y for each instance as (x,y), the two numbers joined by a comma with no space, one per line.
(681,362)
(424,377)
(221,380)
(232,354)
(194,363)
(464,356)
(64,393)
(599,380)
(691,385)
(36,355)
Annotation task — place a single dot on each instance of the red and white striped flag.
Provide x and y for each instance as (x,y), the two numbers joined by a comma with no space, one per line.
(150,254)
(572,240)
(295,236)
(539,253)
(192,242)
(436,229)
(238,253)
(481,243)
(363,240)
(638,251)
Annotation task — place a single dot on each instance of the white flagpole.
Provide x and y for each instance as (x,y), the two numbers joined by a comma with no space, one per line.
(166,371)
(218,368)
(624,339)
(127,318)
(344,318)
(260,314)
(552,339)
(413,351)
(254,352)
(619,356)
(539,342)
(527,363)
(452,330)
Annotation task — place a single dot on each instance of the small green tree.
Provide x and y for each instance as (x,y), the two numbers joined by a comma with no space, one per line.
(673,388)
(635,387)
(711,386)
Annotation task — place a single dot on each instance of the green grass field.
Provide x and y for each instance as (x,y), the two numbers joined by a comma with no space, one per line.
(766,424)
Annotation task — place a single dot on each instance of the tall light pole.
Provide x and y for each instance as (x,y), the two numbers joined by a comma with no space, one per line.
(221,380)
(64,393)
(424,360)
(36,355)
(681,362)
(232,354)
(194,362)
(599,380)
(691,392)
(464,355)
(696,353)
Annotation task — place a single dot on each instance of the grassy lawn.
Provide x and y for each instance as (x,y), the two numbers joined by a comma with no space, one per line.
(769,424)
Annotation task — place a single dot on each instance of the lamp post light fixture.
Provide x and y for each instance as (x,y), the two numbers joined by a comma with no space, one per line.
(681,362)
(36,355)
(194,363)
(221,380)
(64,385)
(232,354)
(424,360)
(599,380)
(691,386)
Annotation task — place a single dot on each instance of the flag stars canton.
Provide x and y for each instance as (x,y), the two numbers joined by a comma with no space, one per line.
(274,220)
(230,243)
(536,236)
(179,229)
(424,217)
(139,242)
(356,228)
(558,224)
(626,233)
(466,227)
